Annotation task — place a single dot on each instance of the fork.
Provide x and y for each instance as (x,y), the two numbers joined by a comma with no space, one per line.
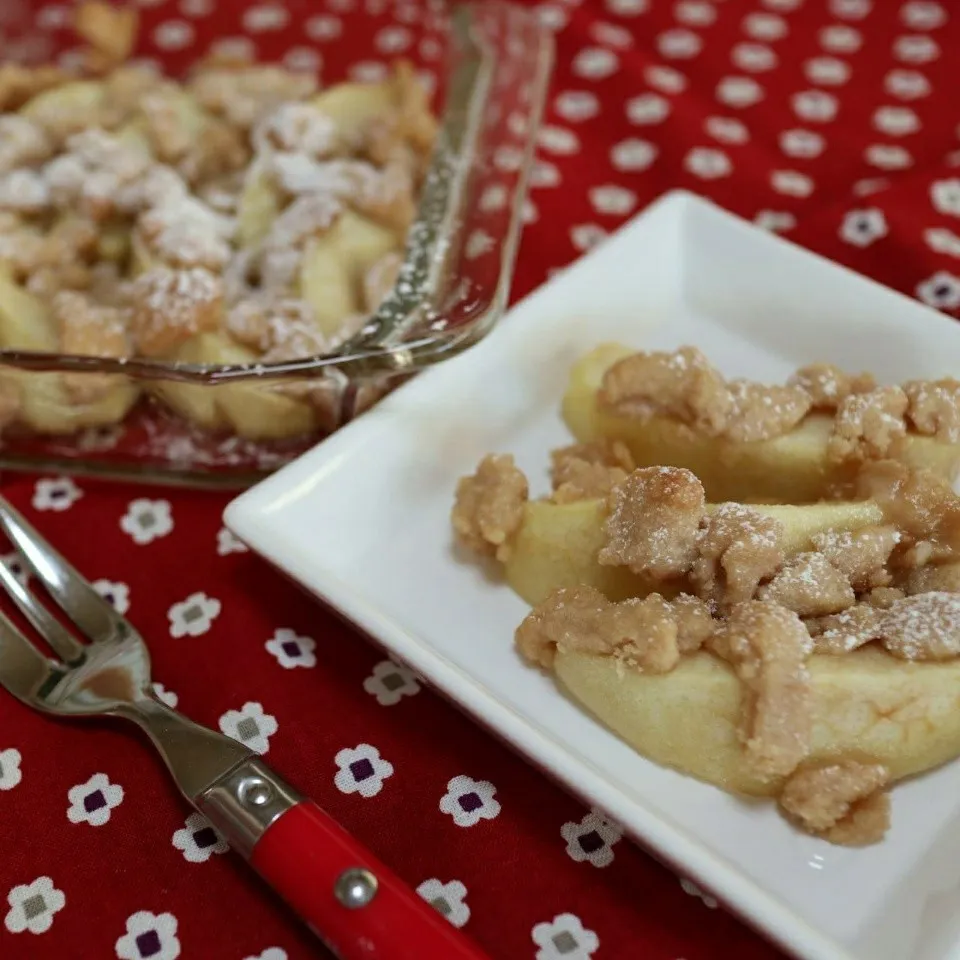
(347,897)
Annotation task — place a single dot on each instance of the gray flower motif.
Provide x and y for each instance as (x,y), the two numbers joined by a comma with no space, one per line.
(863,227)
(228,542)
(290,650)
(165,696)
(271,953)
(193,616)
(55,493)
(390,682)
(942,290)
(361,770)
(592,839)
(197,839)
(94,801)
(694,891)
(147,520)
(564,938)
(447,898)
(10,773)
(250,725)
(469,801)
(149,936)
(115,593)
(33,906)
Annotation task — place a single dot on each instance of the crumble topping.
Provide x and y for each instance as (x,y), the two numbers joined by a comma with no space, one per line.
(848,630)
(809,585)
(869,426)
(654,521)
(943,578)
(828,386)
(883,597)
(737,548)
(170,306)
(589,471)
(923,627)
(761,412)
(935,408)
(844,802)
(767,645)
(860,555)
(489,506)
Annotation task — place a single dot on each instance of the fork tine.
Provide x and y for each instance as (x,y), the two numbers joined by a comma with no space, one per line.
(24,670)
(85,607)
(60,639)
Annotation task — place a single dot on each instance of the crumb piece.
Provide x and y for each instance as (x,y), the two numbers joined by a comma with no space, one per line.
(923,627)
(809,585)
(883,597)
(842,632)
(23,143)
(246,95)
(642,634)
(762,412)
(280,330)
(653,522)
(681,384)
(935,408)
(170,306)
(860,555)
(695,623)
(767,646)
(306,217)
(109,29)
(828,386)
(184,232)
(297,128)
(738,547)
(921,553)
(944,578)
(24,191)
(869,426)
(843,802)
(489,505)
(587,471)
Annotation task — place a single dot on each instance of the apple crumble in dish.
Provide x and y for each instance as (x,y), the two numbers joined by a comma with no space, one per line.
(756,585)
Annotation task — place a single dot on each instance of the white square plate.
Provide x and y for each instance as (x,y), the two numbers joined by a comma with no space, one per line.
(363,522)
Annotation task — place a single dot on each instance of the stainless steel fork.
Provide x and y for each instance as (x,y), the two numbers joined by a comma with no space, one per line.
(356,906)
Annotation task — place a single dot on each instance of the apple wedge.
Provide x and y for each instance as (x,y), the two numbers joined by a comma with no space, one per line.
(793,467)
(557,544)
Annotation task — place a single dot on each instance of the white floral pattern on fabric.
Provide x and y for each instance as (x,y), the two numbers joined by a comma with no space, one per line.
(149,936)
(791,183)
(888,156)
(840,38)
(552,17)
(10,773)
(777,221)
(94,801)
(815,106)
(665,79)
(611,200)
(266,17)
(896,121)
(851,9)
(173,35)
(194,616)
(575,106)
(916,48)
(906,84)
(55,493)
(942,291)
(828,71)
(753,57)
(802,144)
(250,725)
(115,593)
(739,91)
(695,13)
(478,243)
(271,953)
(945,196)
(147,520)
(390,682)
(544,174)
(592,839)
(679,44)
(628,8)
(361,770)
(863,227)
(290,650)
(165,696)
(764,26)
(33,906)
(585,236)
(863,188)
(708,163)
(694,891)
(447,898)
(558,140)
(469,801)
(198,840)
(612,35)
(196,8)
(648,108)
(595,63)
(727,129)
(923,15)
(942,240)
(324,27)
(564,938)
(14,563)
(633,155)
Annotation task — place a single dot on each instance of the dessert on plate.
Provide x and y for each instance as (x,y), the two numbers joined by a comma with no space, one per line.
(756,585)
(237,215)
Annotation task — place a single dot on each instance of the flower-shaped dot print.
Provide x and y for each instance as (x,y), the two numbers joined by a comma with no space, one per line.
(194,616)
(888,156)
(586,236)
(271,953)
(840,38)
(196,8)
(727,129)
(290,650)
(478,243)
(469,801)
(815,106)
(695,13)
(265,17)
(803,144)
(923,15)
(558,140)
(508,158)
(739,91)
(544,174)
(576,106)
(361,770)
(828,71)
(115,593)
(896,121)
(33,906)
(93,802)
(628,8)
(708,163)
(906,84)
(679,44)
(552,17)
(197,839)
(764,26)
(783,6)
(494,197)
(369,71)
(863,227)
(55,493)
(612,35)
(665,79)
(324,28)
(564,938)
(302,60)
(942,290)
(791,183)
(647,108)
(592,839)
(776,221)
(147,520)
(850,9)
(612,200)
(595,63)
(694,891)
(392,40)
(945,196)
(250,725)
(753,57)
(165,696)
(633,155)
(863,188)
(234,48)
(916,48)
(447,898)
(149,936)
(10,772)
(172,35)
(942,240)
(228,543)
(390,682)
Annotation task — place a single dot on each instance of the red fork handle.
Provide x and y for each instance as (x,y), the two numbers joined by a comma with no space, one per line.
(328,878)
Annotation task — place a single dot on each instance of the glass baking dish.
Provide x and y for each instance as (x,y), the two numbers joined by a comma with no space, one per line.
(487,65)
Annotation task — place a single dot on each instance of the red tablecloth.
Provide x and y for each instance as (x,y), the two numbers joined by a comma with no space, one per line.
(833,121)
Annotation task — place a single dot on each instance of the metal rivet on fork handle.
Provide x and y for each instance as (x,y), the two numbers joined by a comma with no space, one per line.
(254,792)
(355,887)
